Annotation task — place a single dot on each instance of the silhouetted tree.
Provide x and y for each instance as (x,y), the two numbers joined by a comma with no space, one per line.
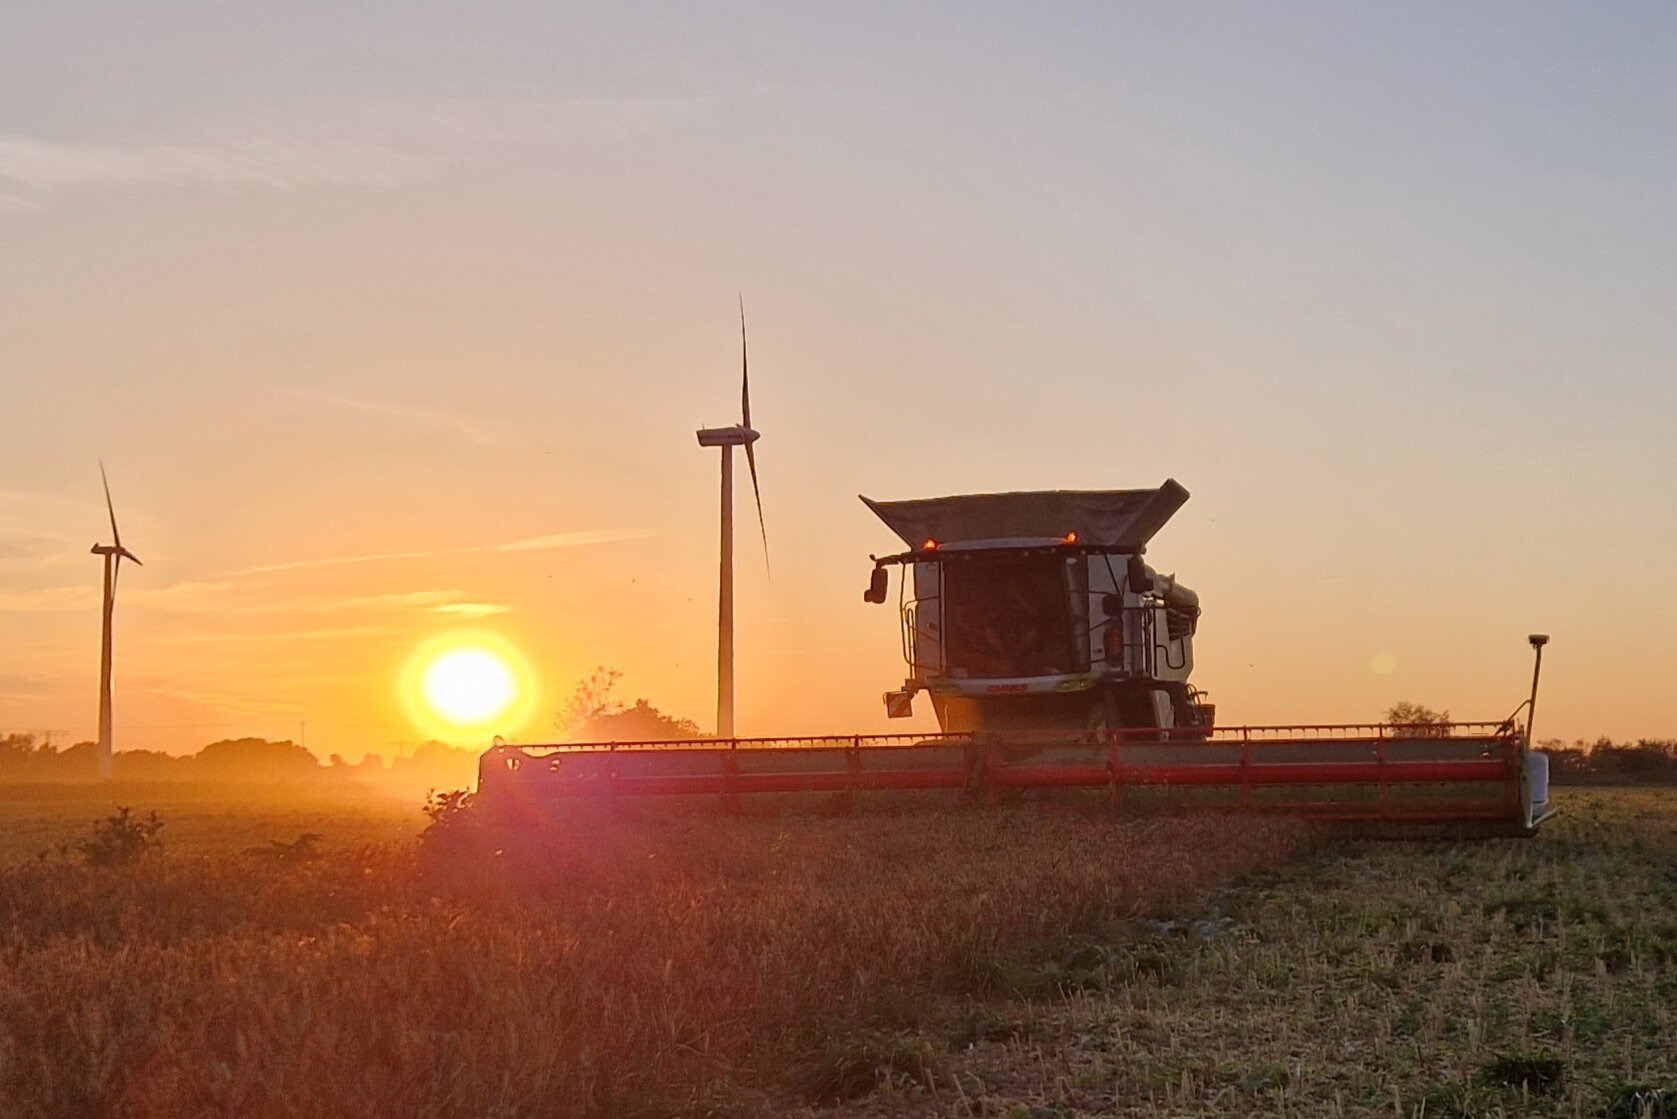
(149,765)
(436,765)
(1418,719)
(591,715)
(255,759)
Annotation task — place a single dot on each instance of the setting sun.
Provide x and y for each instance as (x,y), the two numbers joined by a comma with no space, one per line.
(472,682)
(469,686)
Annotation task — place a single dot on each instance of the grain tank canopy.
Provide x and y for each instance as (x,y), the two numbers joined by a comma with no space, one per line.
(1036,610)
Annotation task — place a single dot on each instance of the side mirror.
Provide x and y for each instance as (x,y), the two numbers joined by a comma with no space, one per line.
(1140,581)
(877,586)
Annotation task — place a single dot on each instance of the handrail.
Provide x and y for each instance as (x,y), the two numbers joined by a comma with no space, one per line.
(1303,734)
(1480,762)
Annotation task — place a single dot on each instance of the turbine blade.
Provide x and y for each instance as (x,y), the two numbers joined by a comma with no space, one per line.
(127,555)
(745,418)
(745,378)
(111,509)
(751,462)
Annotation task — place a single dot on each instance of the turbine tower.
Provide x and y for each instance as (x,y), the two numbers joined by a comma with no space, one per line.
(114,554)
(736,435)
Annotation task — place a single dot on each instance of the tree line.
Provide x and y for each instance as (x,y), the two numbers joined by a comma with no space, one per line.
(592,714)
(1651,761)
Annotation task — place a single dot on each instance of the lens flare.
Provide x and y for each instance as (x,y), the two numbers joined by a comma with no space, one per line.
(468,685)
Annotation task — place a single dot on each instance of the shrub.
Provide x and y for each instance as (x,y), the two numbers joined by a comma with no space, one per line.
(122,839)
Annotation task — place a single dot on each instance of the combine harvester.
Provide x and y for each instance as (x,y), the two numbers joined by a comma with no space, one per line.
(1056,658)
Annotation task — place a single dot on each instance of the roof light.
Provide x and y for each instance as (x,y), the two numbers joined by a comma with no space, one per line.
(1071,538)
(928,545)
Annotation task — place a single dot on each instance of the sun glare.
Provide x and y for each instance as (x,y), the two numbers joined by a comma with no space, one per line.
(469,686)
(467,683)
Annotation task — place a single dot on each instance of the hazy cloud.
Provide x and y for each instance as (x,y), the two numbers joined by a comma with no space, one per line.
(228,597)
(472,609)
(390,598)
(469,126)
(409,144)
(472,432)
(434,601)
(24,551)
(47,599)
(16,689)
(199,637)
(224,701)
(190,598)
(40,165)
(531,544)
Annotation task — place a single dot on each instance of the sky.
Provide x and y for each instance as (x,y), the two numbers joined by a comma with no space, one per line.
(393,321)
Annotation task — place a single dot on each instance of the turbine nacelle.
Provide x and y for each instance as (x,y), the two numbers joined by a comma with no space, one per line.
(735,435)
(115,550)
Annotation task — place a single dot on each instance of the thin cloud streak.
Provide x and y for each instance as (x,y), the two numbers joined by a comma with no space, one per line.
(223,701)
(532,544)
(427,142)
(47,600)
(472,609)
(341,633)
(223,598)
(474,433)
(46,165)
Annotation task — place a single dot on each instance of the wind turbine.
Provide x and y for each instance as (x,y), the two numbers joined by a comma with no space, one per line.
(737,435)
(114,554)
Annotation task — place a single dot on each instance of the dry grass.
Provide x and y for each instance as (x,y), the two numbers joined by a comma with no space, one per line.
(201,820)
(684,964)
(1513,978)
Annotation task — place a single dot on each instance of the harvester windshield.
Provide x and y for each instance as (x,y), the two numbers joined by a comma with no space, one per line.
(1010,615)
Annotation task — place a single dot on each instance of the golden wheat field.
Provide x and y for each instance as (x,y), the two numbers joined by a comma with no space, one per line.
(1030,962)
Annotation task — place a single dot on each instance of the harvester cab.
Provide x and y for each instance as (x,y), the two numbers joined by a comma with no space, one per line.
(1036,611)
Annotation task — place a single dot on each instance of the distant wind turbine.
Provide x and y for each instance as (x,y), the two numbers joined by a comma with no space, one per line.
(737,435)
(114,554)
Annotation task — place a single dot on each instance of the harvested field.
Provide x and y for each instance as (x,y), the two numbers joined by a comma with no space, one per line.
(1509,978)
(689,964)
(1027,962)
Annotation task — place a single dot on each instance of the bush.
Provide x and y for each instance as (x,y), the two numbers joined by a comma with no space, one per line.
(591,715)
(1644,762)
(122,839)
(1418,720)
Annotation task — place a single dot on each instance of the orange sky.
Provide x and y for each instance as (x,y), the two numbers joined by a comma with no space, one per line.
(419,341)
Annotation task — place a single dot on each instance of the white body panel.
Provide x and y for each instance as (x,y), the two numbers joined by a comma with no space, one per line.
(1136,641)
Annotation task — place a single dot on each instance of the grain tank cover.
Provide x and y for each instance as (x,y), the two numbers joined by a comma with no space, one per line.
(1122,520)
